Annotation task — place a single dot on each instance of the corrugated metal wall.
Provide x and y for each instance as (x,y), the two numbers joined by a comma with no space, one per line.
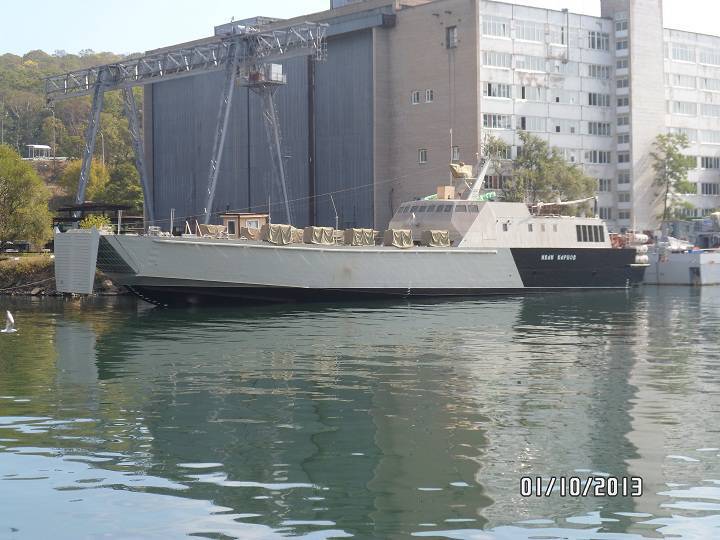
(184,116)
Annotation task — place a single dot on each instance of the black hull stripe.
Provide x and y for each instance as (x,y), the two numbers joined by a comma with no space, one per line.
(167,296)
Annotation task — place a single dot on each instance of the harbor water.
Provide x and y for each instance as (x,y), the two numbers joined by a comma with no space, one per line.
(373,420)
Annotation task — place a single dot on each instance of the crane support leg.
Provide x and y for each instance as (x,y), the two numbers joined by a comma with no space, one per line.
(272,128)
(231,68)
(90,135)
(134,125)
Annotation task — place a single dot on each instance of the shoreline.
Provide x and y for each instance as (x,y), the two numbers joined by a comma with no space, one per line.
(34,275)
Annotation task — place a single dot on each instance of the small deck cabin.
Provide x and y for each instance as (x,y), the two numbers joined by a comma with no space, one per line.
(235,221)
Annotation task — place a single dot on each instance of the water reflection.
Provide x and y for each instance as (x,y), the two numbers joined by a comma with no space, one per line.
(377,420)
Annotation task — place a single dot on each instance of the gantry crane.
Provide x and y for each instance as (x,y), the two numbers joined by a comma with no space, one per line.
(244,52)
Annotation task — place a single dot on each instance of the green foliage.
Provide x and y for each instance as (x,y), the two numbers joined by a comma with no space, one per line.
(99,178)
(124,187)
(95,220)
(24,213)
(496,150)
(541,174)
(671,168)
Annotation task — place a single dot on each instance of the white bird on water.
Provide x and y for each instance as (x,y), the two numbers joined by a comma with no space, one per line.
(9,324)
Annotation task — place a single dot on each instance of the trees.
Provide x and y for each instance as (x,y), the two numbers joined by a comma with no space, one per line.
(671,168)
(541,174)
(24,213)
(98,181)
(124,187)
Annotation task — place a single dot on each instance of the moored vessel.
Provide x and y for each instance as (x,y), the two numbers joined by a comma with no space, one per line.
(445,246)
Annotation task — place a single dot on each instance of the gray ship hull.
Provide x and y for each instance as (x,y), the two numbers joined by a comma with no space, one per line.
(169,271)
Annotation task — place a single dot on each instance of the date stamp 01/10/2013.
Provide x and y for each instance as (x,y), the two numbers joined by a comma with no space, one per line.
(579,486)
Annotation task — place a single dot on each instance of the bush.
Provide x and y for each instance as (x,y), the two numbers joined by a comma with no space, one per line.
(97,221)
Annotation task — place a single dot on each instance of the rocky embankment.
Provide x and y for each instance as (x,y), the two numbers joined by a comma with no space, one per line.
(34,275)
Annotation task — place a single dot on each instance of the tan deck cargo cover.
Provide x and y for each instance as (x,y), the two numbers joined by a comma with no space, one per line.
(297,235)
(277,234)
(359,237)
(435,239)
(319,235)
(251,233)
(400,238)
(211,230)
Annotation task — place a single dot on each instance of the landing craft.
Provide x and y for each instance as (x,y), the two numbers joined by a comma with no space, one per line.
(443,245)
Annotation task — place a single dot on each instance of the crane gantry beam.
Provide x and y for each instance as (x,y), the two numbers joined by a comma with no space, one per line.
(242,51)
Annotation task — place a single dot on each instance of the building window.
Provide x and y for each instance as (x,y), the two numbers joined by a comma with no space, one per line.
(621,26)
(623,157)
(497,59)
(710,189)
(604,184)
(455,153)
(623,120)
(532,93)
(623,101)
(498,90)
(709,137)
(708,109)
(569,154)
(563,125)
(598,40)
(707,162)
(598,156)
(713,85)
(605,212)
(422,155)
(496,26)
(529,31)
(683,81)
(557,34)
(598,100)
(530,63)
(496,121)
(686,108)
(624,214)
(596,71)
(623,138)
(621,63)
(691,134)
(623,177)
(682,52)
(429,96)
(599,128)
(621,44)
(710,56)
(496,181)
(451,37)
(622,82)
(532,123)
(623,196)
(415,97)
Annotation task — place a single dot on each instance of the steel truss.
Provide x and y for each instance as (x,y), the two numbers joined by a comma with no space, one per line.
(242,51)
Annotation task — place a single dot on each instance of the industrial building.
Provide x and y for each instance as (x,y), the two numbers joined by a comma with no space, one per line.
(409,85)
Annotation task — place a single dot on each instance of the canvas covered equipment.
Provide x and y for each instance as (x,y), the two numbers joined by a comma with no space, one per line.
(215,231)
(319,235)
(359,237)
(251,233)
(435,238)
(277,234)
(399,238)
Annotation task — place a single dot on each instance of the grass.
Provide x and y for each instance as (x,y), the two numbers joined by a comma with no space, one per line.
(28,268)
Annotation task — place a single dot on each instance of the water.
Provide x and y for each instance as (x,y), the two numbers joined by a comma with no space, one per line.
(378,420)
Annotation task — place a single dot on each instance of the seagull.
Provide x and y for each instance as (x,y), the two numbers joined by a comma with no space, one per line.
(9,324)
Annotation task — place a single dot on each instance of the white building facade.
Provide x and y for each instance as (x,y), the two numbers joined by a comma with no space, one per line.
(600,89)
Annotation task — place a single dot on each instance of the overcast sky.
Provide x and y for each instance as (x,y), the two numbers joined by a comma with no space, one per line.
(138,25)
